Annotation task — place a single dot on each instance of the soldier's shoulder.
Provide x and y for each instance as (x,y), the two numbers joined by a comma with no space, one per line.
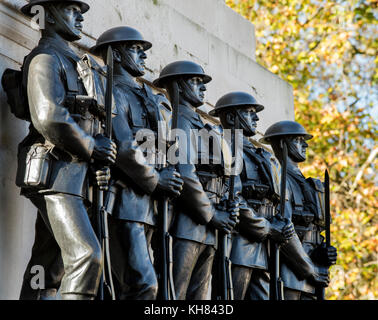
(163,101)
(43,50)
(44,56)
(317,184)
(264,153)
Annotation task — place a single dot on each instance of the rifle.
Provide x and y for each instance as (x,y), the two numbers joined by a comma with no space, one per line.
(320,291)
(276,283)
(226,285)
(166,283)
(102,218)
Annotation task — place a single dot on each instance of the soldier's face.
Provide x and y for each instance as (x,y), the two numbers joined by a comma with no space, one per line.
(198,88)
(138,55)
(297,148)
(73,18)
(249,122)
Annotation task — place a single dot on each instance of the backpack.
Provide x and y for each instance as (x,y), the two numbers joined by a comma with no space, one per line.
(16,93)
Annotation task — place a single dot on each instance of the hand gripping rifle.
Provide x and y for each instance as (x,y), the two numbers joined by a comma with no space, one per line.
(166,283)
(320,291)
(227,290)
(276,284)
(102,218)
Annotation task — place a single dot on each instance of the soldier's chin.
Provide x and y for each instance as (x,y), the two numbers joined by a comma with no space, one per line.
(250,132)
(74,35)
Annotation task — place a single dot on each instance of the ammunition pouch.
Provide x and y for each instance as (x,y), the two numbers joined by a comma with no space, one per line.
(34,166)
(254,191)
(309,234)
(214,169)
(302,218)
(81,105)
(263,208)
(254,204)
(267,210)
(212,184)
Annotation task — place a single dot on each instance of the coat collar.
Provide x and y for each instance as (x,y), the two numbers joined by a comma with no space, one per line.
(59,45)
(191,115)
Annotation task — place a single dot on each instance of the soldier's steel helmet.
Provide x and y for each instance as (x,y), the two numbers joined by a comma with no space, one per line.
(120,34)
(285,128)
(178,69)
(27,8)
(237,99)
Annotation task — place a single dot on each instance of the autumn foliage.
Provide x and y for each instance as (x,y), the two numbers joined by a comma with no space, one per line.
(327,50)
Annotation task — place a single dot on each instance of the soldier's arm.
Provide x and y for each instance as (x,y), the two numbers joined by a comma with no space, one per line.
(193,197)
(130,158)
(294,253)
(46,94)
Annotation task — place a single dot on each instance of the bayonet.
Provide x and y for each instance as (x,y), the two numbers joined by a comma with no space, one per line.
(320,292)
(276,284)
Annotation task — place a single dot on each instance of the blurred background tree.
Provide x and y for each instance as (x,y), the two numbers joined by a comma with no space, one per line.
(327,50)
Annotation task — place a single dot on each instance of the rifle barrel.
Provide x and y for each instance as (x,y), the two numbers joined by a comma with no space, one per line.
(108,94)
(327,209)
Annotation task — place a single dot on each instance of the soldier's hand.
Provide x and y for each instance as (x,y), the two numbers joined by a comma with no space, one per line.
(223,221)
(320,277)
(288,230)
(105,150)
(324,255)
(233,210)
(103,177)
(170,182)
(281,230)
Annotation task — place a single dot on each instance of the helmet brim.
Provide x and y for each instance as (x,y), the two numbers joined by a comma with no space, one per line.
(97,48)
(215,112)
(26,9)
(160,82)
(267,140)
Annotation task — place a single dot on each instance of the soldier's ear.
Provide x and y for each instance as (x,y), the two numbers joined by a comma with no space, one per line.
(117,56)
(49,18)
(230,118)
(180,89)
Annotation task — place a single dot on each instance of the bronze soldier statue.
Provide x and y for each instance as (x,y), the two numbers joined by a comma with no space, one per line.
(140,181)
(53,172)
(258,186)
(305,209)
(196,216)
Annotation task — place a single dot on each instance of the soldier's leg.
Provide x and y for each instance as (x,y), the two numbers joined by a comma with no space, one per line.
(45,253)
(185,256)
(307,296)
(200,280)
(259,285)
(81,251)
(290,294)
(241,277)
(140,277)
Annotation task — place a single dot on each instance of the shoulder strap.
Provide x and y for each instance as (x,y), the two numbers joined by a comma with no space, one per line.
(70,75)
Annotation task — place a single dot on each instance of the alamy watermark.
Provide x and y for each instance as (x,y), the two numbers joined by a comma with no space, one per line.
(38,280)
(191,147)
(38,20)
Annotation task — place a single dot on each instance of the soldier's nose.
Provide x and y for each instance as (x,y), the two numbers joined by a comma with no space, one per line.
(80,17)
(143,55)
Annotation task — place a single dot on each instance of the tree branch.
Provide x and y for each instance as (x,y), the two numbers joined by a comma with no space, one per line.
(369,160)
